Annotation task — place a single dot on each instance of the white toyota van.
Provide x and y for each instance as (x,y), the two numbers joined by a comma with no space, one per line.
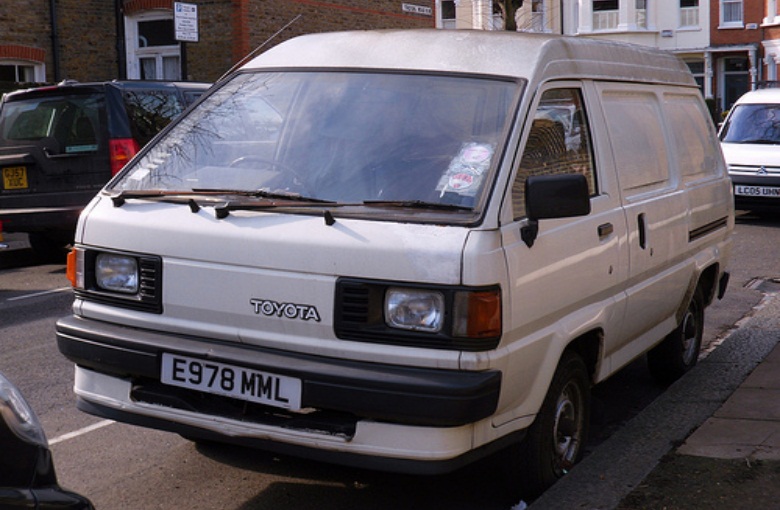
(405,250)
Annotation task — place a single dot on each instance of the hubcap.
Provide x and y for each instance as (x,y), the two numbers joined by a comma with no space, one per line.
(568,429)
(690,338)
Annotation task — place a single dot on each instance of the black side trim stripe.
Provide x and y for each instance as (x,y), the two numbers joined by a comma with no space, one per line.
(707,229)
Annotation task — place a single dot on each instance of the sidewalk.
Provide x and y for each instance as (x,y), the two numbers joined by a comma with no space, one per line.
(712,440)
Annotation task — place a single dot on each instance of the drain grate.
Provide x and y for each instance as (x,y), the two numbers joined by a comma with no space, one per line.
(765,285)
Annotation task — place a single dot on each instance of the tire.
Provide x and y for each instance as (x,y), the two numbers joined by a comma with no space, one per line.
(556,439)
(50,247)
(679,351)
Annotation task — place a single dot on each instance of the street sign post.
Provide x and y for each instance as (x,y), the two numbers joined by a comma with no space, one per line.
(185,21)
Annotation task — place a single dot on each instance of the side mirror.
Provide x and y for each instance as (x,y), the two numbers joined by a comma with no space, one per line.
(553,196)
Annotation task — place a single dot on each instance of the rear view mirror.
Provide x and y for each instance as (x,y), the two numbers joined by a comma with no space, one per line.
(554,196)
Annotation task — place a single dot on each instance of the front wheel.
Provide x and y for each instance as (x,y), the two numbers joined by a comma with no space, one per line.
(556,439)
(679,351)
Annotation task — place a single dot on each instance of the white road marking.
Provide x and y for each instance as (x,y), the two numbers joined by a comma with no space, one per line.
(81,432)
(36,294)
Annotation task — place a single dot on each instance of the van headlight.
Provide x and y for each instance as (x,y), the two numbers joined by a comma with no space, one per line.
(414,309)
(130,280)
(116,273)
(418,315)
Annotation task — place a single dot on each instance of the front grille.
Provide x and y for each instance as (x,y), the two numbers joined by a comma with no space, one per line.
(353,304)
(150,279)
(753,170)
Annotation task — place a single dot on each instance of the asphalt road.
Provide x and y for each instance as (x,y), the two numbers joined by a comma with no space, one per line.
(120,466)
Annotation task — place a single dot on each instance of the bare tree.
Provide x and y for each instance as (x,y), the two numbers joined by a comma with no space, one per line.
(508,9)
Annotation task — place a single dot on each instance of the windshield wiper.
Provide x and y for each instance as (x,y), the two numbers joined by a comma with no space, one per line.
(288,196)
(183,196)
(276,199)
(418,204)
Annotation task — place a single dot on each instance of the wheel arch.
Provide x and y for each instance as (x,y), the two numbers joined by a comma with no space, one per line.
(588,346)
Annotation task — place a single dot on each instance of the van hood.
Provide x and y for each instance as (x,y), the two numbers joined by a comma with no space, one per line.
(268,279)
(300,242)
(748,154)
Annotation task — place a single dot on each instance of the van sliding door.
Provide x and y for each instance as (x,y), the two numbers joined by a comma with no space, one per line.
(656,208)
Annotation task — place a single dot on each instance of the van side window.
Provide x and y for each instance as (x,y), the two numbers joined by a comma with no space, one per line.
(558,143)
(638,141)
(691,135)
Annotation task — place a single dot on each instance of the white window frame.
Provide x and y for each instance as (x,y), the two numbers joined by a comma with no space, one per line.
(441,21)
(772,17)
(724,23)
(641,13)
(539,16)
(689,16)
(605,19)
(136,53)
(38,69)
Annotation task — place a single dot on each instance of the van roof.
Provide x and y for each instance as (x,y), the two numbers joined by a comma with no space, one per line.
(513,54)
(761,96)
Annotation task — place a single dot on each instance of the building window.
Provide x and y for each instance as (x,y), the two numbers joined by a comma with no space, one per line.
(731,13)
(697,70)
(152,50)
(538,21)
(689,13)
(448,14)
(605,14)
(641,13)
(18,73)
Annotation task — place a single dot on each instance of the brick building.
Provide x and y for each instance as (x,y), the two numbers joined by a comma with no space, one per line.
(85,40)
(734,55)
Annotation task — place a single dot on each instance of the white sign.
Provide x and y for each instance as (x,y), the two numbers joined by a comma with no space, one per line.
(417,9)
(185,21)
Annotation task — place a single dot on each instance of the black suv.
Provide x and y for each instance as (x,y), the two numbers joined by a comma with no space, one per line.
(59,145)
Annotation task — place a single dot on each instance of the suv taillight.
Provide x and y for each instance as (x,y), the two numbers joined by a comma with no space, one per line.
(122,150)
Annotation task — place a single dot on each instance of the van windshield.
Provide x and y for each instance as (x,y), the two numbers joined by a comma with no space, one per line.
(753,123)
(342,137)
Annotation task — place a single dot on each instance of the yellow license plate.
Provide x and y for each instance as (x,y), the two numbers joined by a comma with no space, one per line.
(15,177)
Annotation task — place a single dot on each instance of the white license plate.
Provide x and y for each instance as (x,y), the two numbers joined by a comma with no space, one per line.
(231,381)
(757,191)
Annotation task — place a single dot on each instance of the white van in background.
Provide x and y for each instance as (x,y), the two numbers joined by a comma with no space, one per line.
(750,139)
(406,250)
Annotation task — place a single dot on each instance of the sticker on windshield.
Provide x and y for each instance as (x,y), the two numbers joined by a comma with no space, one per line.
(464,174)
(139,174)
(461,181)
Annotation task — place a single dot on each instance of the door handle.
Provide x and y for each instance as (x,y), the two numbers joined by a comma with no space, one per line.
(605,229)
(642,231)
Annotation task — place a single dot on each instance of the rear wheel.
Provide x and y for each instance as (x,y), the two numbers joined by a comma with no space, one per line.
(556,439)
(679,351)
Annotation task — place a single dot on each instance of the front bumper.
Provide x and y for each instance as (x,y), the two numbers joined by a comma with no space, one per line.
(355,409)
(758,202)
